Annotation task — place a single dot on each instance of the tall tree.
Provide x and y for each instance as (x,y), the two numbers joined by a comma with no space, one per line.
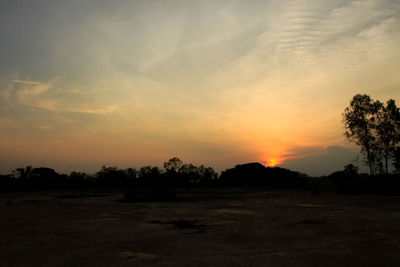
(387,130)
(396,159)
(359,120)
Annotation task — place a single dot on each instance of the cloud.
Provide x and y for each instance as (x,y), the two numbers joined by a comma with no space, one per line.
(100,110)
(54,142)
(324,161)
(31,93)
(45,127)
(53,96)
(303,151)
(307,37)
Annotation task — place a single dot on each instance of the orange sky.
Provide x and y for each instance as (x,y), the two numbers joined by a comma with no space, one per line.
(212,82)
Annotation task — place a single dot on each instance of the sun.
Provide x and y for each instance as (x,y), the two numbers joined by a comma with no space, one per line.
(273,162)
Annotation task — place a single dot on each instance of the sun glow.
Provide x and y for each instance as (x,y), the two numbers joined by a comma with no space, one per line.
(273,162)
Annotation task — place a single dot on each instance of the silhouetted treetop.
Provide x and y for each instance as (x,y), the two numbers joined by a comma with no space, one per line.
(173,165)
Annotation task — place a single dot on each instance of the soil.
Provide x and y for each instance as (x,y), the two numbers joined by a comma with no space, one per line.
(221,228)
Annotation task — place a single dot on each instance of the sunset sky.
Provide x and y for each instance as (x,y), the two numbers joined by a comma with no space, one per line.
(132,83)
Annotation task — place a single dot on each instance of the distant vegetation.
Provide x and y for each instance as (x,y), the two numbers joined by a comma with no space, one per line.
(174,174)
(151,183)
(373,126)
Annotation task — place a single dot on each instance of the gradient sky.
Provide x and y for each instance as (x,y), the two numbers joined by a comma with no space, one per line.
(132,83)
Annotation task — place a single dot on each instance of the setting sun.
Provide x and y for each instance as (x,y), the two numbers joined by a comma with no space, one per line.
(273,162)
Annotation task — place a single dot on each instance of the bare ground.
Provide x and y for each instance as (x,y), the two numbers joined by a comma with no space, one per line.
(245,228)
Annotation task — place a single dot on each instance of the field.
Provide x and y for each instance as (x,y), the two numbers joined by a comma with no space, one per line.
(223,227)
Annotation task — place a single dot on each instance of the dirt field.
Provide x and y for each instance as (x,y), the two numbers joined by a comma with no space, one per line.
(245,228)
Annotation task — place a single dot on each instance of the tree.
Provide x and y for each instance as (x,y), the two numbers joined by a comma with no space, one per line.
(375,128)
(207,174)
(189,174)
(359,120)
(111,177)
(173,165)
(22,173)
(79,180)
(387,130)
(149,175)
(396,159)
(350,170)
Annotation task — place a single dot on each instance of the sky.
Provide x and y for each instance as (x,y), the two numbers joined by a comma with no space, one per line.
(131,83)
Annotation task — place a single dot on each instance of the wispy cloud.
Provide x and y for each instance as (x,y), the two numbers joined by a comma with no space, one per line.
(306,37)
(31,93)
(47,95)
(100,110)
(54,142)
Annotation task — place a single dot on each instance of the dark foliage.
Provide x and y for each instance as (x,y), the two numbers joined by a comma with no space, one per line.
(256,174)
(151,183)
(112,177)
(349,181)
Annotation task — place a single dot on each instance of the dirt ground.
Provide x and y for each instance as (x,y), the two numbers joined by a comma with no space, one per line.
(242,228)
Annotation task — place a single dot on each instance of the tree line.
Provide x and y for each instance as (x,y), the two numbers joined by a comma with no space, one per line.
(174,173)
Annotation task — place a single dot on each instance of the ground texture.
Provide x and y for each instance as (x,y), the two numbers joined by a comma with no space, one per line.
(221,228)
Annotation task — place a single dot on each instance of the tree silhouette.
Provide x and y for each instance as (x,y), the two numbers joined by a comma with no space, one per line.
(207,174)
(189,174)
(110,177)
(173,165)
(22,173)
(351,170)
(79,180)
(396,159)
(359,120)
(149,175)
(375,128)
(387,130)
(256,174)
